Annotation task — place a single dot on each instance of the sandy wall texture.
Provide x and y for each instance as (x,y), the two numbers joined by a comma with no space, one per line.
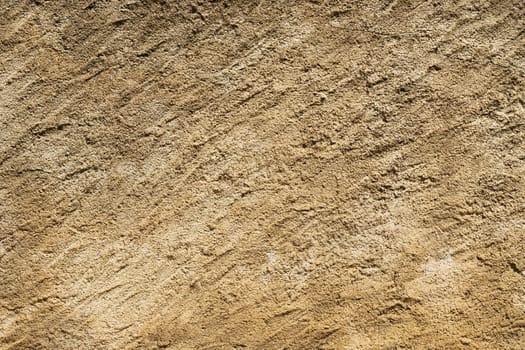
(262,174)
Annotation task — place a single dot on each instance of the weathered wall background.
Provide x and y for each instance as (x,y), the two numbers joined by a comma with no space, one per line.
(262,174)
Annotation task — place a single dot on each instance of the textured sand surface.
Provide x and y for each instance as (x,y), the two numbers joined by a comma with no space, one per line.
(262,174)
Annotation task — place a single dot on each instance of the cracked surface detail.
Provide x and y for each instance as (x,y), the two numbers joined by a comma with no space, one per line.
(262,174)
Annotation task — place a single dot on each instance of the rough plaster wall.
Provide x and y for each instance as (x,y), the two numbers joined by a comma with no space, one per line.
(262,174)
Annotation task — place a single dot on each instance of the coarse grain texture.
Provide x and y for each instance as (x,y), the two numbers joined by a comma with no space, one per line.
(262,174)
